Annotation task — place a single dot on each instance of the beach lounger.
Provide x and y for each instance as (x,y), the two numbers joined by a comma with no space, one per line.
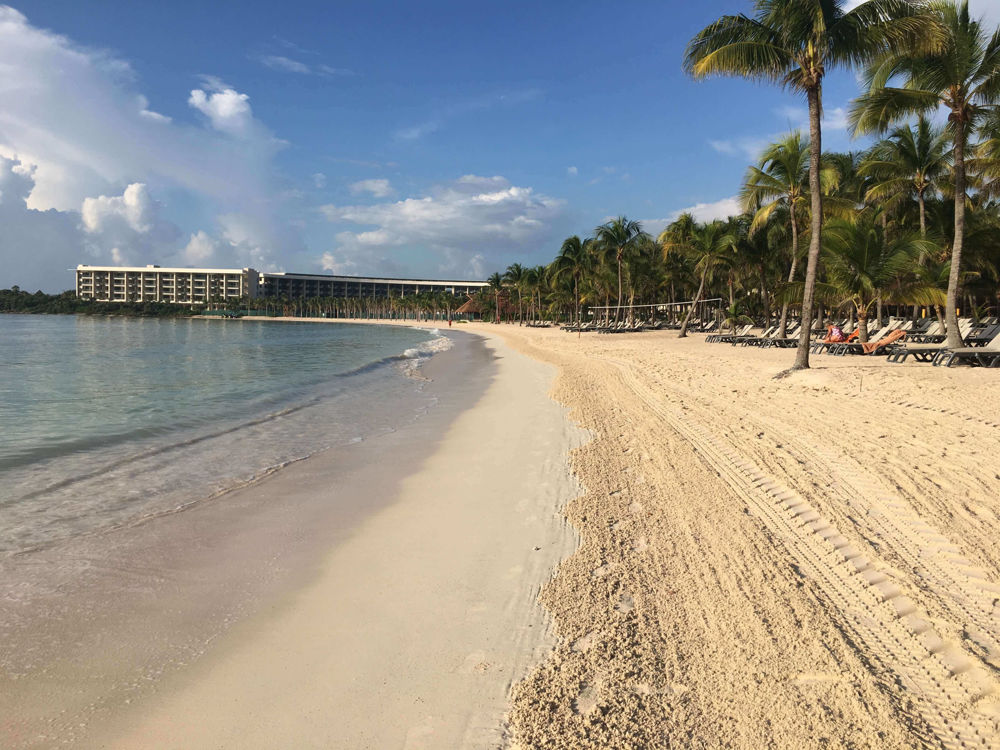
(719,337)
(824,345)
(978,356)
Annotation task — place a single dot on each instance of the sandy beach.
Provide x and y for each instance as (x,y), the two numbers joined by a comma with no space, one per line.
(802,562)
(741,561)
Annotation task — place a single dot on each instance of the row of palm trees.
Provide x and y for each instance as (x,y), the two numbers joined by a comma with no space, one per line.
(916,57)
(909,221)
(889,219)
(420,307)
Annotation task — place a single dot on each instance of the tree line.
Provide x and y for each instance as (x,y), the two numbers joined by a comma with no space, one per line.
(910,221)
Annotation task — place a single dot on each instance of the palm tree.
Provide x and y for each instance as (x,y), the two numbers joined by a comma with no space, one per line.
(906,165)
(709,247)
(514,275)
(779,180)
(618,238)
(495,282)
(963,76)
(863,266)
(795,43)
(573,261)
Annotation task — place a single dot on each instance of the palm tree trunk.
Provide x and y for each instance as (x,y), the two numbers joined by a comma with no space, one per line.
(783,323)
(923,235)
(951,309)
(815,149)
(863,325)
(764,297)
(697,299)
(618,308)
(576,297)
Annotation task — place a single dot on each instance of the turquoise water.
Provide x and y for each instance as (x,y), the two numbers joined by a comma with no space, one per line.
(105,420)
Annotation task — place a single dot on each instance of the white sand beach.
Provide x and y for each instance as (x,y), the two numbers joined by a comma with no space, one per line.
(417,625)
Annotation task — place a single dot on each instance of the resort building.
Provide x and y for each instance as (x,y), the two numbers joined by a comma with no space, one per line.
(182,286)
(299,285)
(188,286)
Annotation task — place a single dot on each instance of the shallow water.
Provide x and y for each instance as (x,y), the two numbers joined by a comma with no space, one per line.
(107,420)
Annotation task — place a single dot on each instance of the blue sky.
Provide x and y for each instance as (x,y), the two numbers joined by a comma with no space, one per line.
(419,139)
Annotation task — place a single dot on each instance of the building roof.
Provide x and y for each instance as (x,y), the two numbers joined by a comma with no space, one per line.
(148,269)
(367,279)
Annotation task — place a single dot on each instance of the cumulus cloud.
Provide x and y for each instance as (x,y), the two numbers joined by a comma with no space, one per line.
(463,223)
(36,247)
(379,188)
(227,109)
(78,115)
(84,153)
(721,209)
(572,171)
(200,249)
(134,207)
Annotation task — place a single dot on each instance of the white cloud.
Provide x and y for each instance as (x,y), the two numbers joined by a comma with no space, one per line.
(134,207)
(319,180)
(36,247)
(227,109)
(379,188)
(834,118)
(83,156)
(199,249)
(572,171)
(721,209)
(471,217)
(280,62)
(289,65)
(77,115)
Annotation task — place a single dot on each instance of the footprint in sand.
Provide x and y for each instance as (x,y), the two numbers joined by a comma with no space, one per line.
(586,702)
(601,571)
(584,642)
(476,662)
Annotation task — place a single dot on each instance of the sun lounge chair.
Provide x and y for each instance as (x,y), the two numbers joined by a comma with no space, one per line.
(718,337)
(880,346)
(759,339)
(979,356)
(824,345)
(790,339)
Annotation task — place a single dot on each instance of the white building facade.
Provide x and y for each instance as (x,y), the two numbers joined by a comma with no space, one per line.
(191,286)
(180,286)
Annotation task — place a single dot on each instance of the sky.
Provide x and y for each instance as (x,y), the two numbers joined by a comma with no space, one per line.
(421,140)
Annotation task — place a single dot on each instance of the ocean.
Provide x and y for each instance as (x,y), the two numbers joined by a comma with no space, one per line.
(107,421)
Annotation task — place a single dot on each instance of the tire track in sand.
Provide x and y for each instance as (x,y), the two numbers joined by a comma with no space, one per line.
(946,687)
(961,589)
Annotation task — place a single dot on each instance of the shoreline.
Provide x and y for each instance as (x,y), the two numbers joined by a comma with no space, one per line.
(158,568)
(750,562)
(416,626)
